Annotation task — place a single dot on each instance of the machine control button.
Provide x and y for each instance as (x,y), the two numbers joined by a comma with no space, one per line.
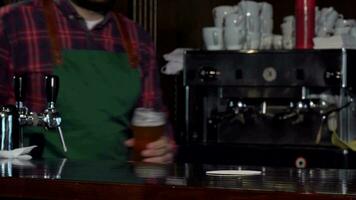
(209,74)
(269,74)
(301,162)
(333,78)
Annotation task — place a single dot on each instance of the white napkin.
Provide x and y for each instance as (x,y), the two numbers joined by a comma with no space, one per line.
(16,162)
(175,61)
(19,153)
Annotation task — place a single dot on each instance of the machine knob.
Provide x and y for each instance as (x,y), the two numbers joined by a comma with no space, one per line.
(333,78)
(209,73)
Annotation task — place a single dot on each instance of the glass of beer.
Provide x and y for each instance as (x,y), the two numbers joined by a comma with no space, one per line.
(147,126)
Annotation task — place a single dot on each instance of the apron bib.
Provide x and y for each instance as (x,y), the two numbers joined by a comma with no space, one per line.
(97,93)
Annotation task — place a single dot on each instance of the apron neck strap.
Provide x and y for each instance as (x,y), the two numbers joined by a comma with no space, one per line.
(52,29)
(127,39)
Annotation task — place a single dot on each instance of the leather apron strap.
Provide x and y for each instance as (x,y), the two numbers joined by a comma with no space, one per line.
(127,41)
(52,27)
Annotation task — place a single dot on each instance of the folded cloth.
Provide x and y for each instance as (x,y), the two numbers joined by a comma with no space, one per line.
(172,68)
(176,55)
(19,153)
(175,61)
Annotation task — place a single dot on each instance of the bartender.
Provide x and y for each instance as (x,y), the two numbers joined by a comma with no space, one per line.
(106,65)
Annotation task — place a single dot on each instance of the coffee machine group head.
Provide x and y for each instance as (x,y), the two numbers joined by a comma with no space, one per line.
(298,97)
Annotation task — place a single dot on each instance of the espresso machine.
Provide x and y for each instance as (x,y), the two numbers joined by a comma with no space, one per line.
(275,107)
(14,117)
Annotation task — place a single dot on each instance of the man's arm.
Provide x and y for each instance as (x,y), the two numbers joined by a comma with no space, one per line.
(151,93)
(162,150)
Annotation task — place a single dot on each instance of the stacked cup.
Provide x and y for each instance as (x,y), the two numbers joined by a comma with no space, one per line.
(248,25)
(251,10)
(213,36)
(288,32)
(234,30)
(325,21)
(344,26)
(266,17)
(329,23)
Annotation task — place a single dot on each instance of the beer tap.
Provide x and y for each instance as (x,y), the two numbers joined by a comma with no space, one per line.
(26,118)
(19,87)
(9,128)
(50,118)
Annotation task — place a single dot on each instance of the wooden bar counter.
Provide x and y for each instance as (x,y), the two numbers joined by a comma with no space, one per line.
(67,179)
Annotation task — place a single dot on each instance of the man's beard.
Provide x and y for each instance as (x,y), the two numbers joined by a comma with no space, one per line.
(101,7)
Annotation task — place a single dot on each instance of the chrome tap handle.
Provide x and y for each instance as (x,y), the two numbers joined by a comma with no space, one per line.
(52,88)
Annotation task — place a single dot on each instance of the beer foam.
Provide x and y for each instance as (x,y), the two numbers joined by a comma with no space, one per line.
(148,117)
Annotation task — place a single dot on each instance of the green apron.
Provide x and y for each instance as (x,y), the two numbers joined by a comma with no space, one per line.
(97,94)
(98,91)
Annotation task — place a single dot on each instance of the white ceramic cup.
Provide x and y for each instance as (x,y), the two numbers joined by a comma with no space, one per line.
(252,40)
(327,20)
(213,38)
(289,18)
(250,8)
(288,26)
(266,26)
(253,24)
(266,41)
(277,42)
(342,31)
(317,19)
(342,23)
(331,19)
(220,12)
(266,10)
(234,38)
(288,42)
(235,20)
(288,29)
(353,32)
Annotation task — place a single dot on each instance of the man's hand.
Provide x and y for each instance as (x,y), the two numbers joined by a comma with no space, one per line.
(160,151)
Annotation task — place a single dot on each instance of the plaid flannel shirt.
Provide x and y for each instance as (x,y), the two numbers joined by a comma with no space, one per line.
(25,49)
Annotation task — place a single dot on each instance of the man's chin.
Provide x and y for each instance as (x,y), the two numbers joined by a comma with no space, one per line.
(99,6)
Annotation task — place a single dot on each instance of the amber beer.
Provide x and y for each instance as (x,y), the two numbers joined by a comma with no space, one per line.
(147,126)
